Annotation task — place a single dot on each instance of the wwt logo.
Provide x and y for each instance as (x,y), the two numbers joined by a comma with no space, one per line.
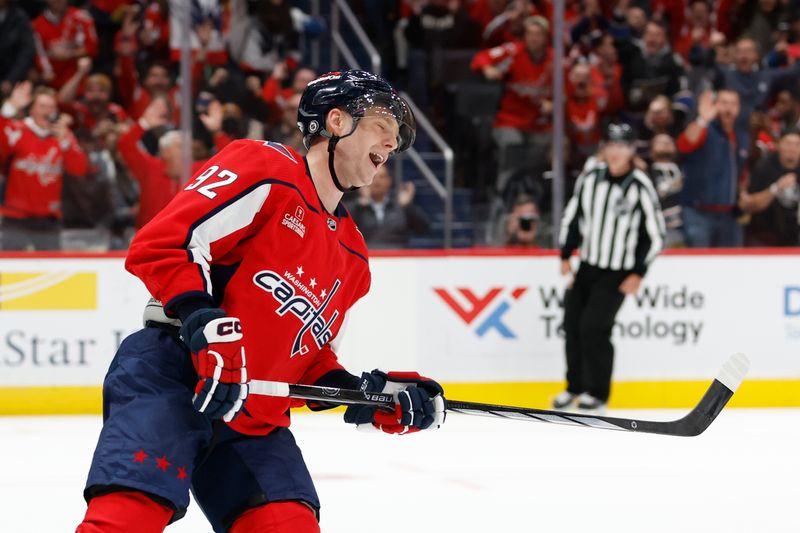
(471,305)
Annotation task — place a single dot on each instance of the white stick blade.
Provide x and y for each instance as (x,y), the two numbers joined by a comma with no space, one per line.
(269,388)
(733,371)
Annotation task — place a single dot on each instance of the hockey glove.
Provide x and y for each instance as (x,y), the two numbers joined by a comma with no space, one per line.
(215,341)
(419,403)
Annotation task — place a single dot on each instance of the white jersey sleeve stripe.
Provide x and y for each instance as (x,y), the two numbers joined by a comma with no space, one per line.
(232,218)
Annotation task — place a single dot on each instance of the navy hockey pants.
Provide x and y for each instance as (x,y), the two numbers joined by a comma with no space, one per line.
(154,441)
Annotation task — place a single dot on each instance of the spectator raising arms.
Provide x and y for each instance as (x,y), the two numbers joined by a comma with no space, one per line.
(37,151)
(63,35)
(526,69)
(95,106)
(715,153)
(160,177)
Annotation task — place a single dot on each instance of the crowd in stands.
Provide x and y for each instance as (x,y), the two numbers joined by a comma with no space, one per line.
(91,107)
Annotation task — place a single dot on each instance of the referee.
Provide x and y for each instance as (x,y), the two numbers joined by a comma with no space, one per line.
(615,219)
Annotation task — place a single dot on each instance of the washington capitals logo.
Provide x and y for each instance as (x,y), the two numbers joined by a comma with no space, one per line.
(476,305)
(296,298)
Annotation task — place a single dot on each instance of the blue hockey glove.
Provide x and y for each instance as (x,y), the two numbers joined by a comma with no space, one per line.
(419,403)
(215,341)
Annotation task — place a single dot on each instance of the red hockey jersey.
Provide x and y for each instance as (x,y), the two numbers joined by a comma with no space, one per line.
(250,234)
(35,161)
(527,85)
(75,30)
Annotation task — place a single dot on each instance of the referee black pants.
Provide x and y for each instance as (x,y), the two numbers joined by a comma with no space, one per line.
(590,307)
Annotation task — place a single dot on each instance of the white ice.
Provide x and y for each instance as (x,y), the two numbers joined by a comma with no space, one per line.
(474,475)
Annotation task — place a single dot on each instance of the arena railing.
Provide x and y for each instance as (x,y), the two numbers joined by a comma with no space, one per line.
(341,12)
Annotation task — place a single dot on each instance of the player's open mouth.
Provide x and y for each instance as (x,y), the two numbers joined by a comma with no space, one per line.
(376,159)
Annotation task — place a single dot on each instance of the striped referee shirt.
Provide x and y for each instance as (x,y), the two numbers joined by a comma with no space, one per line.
(616,221)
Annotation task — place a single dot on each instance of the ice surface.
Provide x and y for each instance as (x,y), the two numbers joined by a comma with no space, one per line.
(475,475)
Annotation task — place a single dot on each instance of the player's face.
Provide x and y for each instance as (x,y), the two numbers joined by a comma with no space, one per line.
(360,155)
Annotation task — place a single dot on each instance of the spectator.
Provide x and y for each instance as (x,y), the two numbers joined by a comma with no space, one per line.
(591,22)
(160,177)
(157,83)
(695,37)
(64,34)
(522,224)
(761,22)
(508,24)
(207,35)
(36,151)
(387,221)
(753,85)
(275,95)
(604,59)
(582,111)
(715,153)
(267,36)
(668,181)
(650,69)
(441,24)
(772,197)
(95,108)
(659,118)
(287,132)
(17,49)
(526,68)
(785,111)
(762,140)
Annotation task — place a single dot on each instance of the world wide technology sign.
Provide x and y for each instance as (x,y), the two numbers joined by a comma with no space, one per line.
(500,318)
(460,319)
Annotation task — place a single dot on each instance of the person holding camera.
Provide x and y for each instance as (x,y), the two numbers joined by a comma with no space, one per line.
(36,152)
(522,224)
(615,220)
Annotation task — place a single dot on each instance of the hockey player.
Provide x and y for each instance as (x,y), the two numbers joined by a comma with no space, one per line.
(257,264)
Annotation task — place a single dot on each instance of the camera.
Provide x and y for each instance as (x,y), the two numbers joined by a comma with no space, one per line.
(526,222)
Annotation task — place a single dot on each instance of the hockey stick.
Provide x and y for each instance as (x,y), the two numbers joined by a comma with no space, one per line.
(693,424)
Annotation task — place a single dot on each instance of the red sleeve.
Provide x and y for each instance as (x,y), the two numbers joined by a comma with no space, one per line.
(221,140)
(138,161)
(91,42)
(223,204)
(687,147)
(8,131)
(75,161)
(270,92)
(325,361)
(126,81)
(493,56)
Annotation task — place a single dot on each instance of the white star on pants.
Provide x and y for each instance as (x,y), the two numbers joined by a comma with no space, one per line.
(313,283)
(323,293)
(299,271)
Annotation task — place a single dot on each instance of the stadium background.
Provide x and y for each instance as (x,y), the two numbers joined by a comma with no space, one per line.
(455,302)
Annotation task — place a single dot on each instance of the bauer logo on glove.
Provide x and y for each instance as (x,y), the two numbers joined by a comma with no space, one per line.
(419,403)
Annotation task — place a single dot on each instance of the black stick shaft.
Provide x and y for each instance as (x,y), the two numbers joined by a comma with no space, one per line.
(694,423)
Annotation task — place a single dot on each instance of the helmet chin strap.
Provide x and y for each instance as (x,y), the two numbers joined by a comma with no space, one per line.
(332,140)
